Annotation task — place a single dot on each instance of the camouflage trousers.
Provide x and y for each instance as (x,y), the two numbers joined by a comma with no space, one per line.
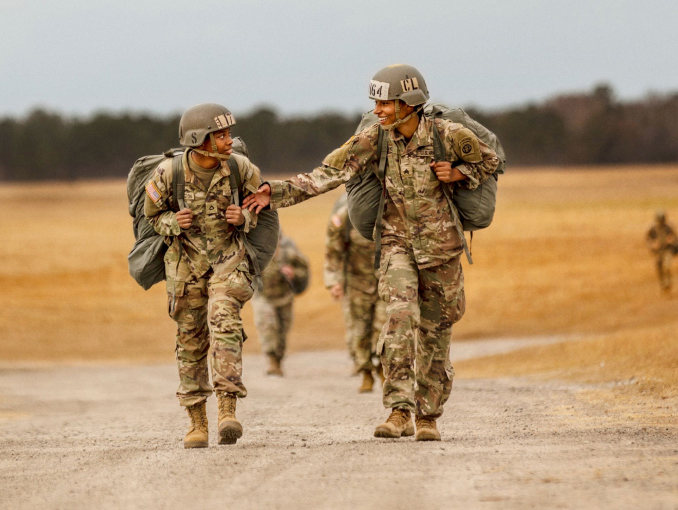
(272,323)
(414,346)
(663,263)
(364,316)
(207,312)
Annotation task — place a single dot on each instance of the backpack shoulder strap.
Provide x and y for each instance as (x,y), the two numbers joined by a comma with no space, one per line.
(382,151)
(440,154)
(235,180)
(178,183)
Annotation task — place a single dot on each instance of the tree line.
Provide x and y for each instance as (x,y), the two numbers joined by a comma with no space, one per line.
(574,129)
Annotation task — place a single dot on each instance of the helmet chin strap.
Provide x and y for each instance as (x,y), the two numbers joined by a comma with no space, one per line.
(400,122)
(215,152)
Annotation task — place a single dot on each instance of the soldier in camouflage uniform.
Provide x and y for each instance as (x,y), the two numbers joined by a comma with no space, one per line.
(350,276)
(286,276)
(207,270)
(663,244)
(421,276)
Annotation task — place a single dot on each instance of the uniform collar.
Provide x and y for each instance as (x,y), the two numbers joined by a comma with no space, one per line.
(422,137)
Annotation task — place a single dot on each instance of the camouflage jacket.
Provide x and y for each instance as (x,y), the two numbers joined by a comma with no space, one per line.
(661,237)
(349,257)
(210,241)
(277,289)
(417,219)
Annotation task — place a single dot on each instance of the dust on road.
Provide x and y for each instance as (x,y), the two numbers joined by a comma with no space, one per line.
(82,437)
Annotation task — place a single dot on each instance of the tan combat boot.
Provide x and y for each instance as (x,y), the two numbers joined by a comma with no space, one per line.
(426,429)
(197,435)
(274,367)
(229,427)
(398,424)
(368,382)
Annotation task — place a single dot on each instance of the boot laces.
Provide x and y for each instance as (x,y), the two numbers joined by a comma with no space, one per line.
(226,404)
(198,417)
(399,417)
(426,422)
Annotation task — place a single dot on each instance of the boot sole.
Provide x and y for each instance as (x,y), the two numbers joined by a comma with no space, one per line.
(196,444)
(230,432)
(427,436)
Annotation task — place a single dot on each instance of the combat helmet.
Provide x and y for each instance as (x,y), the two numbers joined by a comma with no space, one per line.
(403,82)
(201,121)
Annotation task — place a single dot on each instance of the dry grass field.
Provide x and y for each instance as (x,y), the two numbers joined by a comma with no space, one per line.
(565,256)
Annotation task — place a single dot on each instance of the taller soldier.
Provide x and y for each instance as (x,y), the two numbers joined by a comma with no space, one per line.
(421,278)
(207,269)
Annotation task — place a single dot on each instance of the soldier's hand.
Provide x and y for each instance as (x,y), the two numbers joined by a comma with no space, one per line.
(185,218)
(234,215)
(257,201)
(446,173)
(288,272)
(337,291)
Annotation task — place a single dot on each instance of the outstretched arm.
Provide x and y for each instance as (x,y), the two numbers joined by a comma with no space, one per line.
(257,201)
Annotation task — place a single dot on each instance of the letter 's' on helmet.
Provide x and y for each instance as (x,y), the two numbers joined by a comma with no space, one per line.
(201,120)
(399,81)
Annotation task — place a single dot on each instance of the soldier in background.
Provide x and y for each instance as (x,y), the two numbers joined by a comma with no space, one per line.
(349,275)
(421,278)
(662,242)
(286,276)
(209,276)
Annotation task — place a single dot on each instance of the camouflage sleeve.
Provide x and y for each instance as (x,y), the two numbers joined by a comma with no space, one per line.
(338,167)
(335,249)
(478,160)
(156,204)
(251,179)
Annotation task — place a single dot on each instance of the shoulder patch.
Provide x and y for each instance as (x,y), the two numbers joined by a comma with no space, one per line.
(337,158)
(466,145)
(349,140)
(153,193)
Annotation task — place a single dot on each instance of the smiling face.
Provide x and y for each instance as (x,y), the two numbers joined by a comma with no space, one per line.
(386,111)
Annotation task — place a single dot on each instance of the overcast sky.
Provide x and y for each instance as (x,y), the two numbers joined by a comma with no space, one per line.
(304,56)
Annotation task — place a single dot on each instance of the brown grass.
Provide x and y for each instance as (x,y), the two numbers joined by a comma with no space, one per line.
(565,255)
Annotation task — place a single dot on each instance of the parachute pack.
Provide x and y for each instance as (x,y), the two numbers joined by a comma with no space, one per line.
(146,259)
(473,209)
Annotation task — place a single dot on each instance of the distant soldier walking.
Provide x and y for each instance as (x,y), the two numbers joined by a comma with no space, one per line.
(208,273)
(421,278)
(286,276)
(662,242)
(349,275)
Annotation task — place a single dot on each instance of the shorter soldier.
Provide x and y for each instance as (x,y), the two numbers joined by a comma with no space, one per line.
(662,242)
(286,276)
(349,274)
(209,275)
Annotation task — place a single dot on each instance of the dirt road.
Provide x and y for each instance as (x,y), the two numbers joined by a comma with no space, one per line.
(109,437)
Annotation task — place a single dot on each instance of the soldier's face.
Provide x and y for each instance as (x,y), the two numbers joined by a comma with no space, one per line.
(386,111)
(224,141)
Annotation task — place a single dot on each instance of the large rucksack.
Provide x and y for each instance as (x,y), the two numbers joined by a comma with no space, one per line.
(146,259)
(473,209)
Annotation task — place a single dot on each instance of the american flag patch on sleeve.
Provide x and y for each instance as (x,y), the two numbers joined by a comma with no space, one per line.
(153,192)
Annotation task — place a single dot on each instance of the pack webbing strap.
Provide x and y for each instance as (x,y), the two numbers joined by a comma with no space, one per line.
(236,186)
(382,149)
(439,154)
(178,183)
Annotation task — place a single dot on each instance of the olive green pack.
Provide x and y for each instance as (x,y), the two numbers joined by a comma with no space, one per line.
(474,209)
(146,259)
